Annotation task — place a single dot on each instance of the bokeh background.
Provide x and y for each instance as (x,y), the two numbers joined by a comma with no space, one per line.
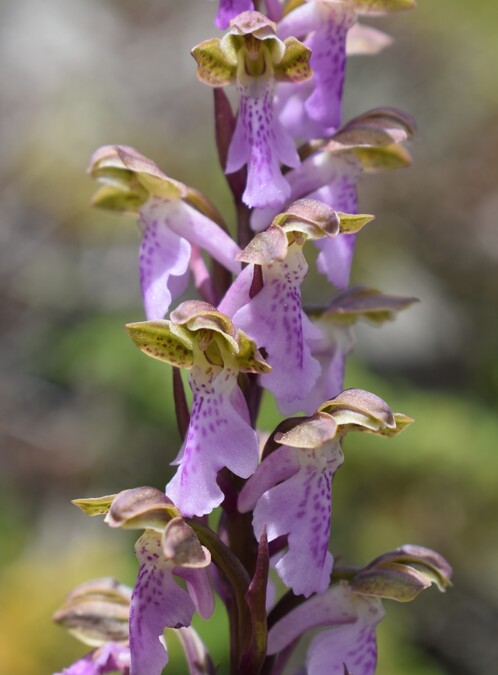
(84,413)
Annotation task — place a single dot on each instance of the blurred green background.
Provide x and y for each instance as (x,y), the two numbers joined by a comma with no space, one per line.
(84,413)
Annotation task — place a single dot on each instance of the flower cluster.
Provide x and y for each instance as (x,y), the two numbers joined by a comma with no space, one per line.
(293,168)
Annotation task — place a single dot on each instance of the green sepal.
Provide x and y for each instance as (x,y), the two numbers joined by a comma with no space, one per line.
(382,158)
(94,506)
(364,303)
(392,581)
(265,247)
(310,217)
(294,66)
(96,612)
(125,168)
(197,315)
(350,223)
(379,7)
(163,340)
(141,508)
(215,66)
(128,199)
(430,562)
(249,358)
(362,411)
(182,547)
(311,433)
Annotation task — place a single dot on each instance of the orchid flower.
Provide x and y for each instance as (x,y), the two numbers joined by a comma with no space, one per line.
(253,57)
(173,218)
(331,170)
(313,109)
(168,549)
(351,611)
(336,340)
(273,317)
(204,340)
(290,491)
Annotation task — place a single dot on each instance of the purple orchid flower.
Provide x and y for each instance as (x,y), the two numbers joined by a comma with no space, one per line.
(273,317)
(313,109)
(254,58)
(331,171)
(290,491)
(168,550)
(351,643)
(110,658)
(172,218)
(159,602)
(354,608)
(204,340)
(229,9)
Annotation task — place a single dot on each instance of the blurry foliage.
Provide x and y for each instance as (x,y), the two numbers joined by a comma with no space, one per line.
(84,413)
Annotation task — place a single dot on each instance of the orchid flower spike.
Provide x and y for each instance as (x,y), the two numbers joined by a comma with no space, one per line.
(273,315)
(291,493)
(353,609)
(252,56)
(174,219)
(204,340)
(331,170)
(313,109)
(336,341)
(168,549)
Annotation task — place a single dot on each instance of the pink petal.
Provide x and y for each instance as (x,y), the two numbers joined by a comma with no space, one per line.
(215,421)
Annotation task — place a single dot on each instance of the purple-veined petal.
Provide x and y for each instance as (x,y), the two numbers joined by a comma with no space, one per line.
(335,607)
(109,658)
(328,61)
(261,142)
(164,260)
(297,503)
(353,646)
(157,602)
(274,319)
(218,436)
(228,9)
(313,110)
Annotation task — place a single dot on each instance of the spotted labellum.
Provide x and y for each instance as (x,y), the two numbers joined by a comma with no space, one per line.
(246,513)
